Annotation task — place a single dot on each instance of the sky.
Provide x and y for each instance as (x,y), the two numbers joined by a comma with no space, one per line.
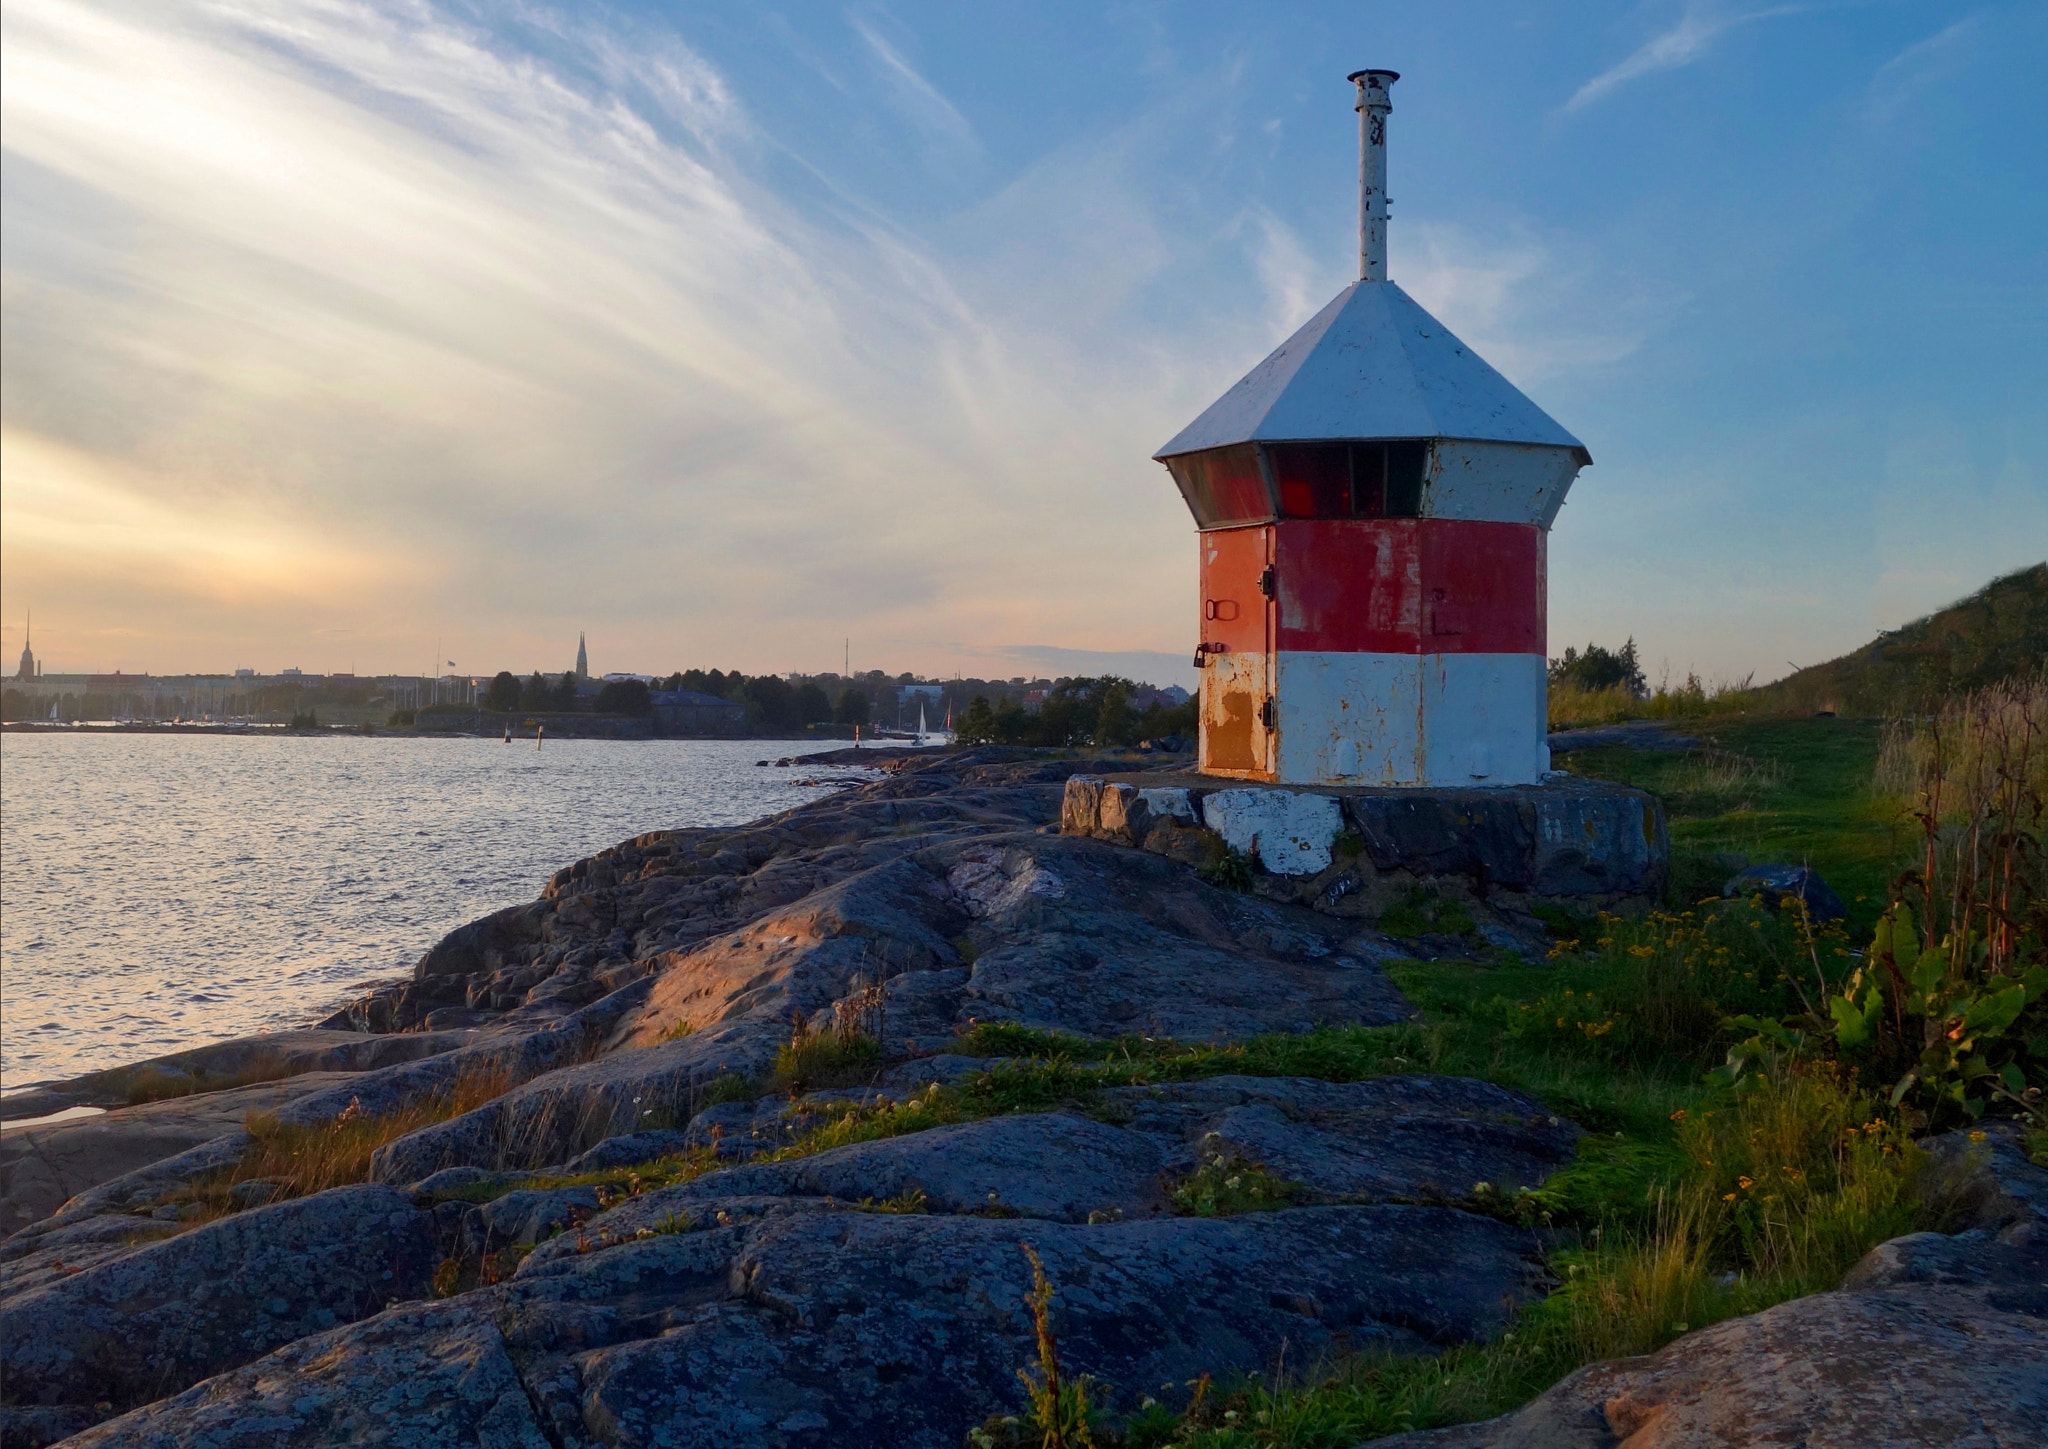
(351,335)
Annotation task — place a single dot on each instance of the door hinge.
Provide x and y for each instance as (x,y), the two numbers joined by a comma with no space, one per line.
(1268,584)
(1269,713)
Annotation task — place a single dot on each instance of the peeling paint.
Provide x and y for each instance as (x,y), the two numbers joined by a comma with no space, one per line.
(1289,834)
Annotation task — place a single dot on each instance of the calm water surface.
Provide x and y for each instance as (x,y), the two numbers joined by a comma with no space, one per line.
(161,891)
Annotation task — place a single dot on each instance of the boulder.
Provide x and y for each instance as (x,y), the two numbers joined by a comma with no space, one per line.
(1932,1368)
(1934,1341)
(1780,883)
(1067,935)
(41,1168)
(424,1374)
(172,1312)
(629,1150)
(856,1329)
(1408,1139)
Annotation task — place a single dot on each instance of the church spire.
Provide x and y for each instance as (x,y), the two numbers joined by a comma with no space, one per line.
(28,668)
(582,657)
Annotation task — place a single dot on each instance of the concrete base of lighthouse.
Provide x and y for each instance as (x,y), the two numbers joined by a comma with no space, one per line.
(1356,851)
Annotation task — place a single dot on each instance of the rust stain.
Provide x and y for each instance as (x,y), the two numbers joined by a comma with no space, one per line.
(1227,731)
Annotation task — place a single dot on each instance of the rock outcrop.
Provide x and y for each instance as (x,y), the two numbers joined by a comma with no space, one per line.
(1934,1341)
(876,1293)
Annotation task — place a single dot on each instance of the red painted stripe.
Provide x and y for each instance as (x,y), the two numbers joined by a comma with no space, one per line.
(1408,586)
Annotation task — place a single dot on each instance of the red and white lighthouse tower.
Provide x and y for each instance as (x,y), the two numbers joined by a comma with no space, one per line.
(1373,503)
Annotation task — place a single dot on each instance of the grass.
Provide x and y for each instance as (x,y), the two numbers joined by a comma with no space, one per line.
(1796,791)
(297,1160)
(1425,913)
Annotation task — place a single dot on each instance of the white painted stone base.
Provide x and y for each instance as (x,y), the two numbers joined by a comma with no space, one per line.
(1288,834)
(1406,719)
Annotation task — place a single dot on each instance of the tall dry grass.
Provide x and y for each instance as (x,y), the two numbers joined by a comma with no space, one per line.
(1975,776)
(293,1160)
(1572,707)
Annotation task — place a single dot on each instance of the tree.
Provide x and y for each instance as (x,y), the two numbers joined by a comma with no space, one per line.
(535,693)
(1599,668)
(503,695)
(854,708)
(770,702)
(563,696)
(1113,719)
(624,696)
(674,681)
(977,724)
(811,704)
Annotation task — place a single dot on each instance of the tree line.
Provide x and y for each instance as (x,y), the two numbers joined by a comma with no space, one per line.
(1073,712)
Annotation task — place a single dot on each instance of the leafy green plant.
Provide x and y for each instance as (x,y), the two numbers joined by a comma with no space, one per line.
(1944,1013)
(1226,866)
(1227,1184)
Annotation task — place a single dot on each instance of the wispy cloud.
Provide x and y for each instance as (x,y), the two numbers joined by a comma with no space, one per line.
(918,98)
(411,289)
(1921,66)
(374,322)
(1691,39)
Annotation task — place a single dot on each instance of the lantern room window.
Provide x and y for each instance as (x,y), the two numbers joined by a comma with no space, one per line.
(1223,486)
(1349,480)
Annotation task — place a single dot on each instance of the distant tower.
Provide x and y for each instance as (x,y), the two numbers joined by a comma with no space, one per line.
(582,659)
(28,668)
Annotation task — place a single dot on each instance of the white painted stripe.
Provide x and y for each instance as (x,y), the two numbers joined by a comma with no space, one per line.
(1404,719)
(1504,482)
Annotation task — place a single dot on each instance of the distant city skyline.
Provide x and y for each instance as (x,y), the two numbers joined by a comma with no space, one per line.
(329,331)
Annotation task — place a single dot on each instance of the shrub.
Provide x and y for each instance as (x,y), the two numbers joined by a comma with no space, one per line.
(1948,1013)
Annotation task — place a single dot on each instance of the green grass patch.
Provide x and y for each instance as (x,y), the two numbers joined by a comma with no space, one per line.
(1793,791)
(1425,913)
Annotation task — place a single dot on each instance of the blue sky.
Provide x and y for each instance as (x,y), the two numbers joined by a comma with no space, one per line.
(726,332)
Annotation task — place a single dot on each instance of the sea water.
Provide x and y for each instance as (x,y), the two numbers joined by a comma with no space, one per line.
(161,891)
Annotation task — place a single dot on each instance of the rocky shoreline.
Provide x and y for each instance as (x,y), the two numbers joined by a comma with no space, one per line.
(622,1216)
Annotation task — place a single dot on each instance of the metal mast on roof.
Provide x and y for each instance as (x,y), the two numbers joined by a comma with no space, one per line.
(1374,106)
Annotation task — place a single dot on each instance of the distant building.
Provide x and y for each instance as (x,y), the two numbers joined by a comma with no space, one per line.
(29,668)
(582,658)
(689,712)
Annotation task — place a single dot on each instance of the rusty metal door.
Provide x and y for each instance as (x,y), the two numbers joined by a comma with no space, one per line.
(1238,714)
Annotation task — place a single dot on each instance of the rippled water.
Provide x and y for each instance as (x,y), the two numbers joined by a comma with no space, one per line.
(161,891)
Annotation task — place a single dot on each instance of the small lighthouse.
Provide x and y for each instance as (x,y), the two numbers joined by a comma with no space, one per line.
(1373,503)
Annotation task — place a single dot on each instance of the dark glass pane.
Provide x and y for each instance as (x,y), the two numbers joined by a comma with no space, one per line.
(1314,479)
(1406,463)
(1223,486)
(1368,480)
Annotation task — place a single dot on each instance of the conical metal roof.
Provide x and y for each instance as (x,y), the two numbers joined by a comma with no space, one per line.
(1372,364)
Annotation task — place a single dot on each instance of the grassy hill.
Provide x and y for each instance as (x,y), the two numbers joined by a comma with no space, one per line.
(1996,633)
